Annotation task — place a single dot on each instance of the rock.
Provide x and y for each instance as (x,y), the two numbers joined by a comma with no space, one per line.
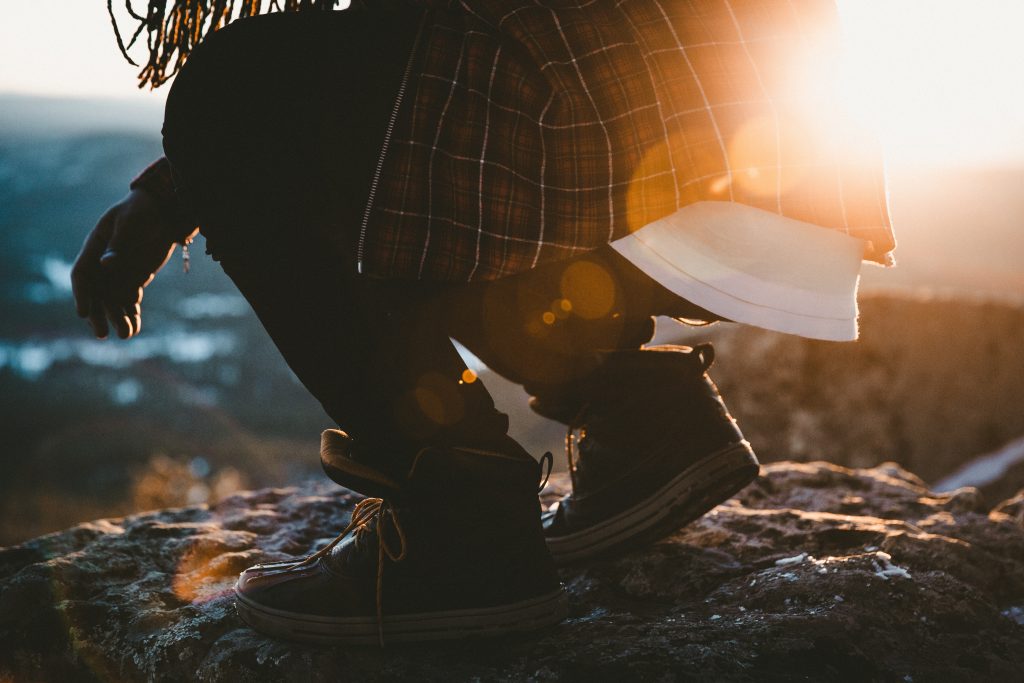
(813,572)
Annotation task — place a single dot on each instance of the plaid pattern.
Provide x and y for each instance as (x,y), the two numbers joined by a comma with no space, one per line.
(533,131)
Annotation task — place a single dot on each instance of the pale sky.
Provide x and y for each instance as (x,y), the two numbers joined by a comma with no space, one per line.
(64,47)
(941,81)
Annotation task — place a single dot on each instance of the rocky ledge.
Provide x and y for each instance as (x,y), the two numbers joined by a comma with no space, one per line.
(815,572)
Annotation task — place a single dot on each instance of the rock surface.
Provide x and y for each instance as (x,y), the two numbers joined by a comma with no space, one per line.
(814,572)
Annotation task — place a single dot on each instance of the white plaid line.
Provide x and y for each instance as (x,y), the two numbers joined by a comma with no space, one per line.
(430,171)
(771,103)
(604,129)
(543,188)
(664,125)
(487,233)
(483,157)
(703,95)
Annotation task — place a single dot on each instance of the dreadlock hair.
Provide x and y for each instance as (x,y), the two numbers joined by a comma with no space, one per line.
(175,27)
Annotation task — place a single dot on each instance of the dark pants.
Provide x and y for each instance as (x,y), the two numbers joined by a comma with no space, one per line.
(273,129)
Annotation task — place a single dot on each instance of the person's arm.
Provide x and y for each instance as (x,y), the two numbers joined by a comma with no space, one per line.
(129,244)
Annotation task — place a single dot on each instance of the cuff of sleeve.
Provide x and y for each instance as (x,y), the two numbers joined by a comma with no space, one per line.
(158,180)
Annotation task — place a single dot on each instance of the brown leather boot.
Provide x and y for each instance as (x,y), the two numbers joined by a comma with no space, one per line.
(657,449)
(454,550)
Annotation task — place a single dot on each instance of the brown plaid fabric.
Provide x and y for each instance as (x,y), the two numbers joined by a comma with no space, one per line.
(533,131)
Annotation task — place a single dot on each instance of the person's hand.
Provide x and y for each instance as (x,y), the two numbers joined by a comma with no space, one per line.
(129,244)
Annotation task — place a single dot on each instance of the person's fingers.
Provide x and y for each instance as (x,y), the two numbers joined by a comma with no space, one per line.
(84,280)
(129,319)
(83,297)
(134,313)
(98,318)
(82,291)
(122,294)
(118,306)
(118,258)
(137,312)
(119,321)
(85,271)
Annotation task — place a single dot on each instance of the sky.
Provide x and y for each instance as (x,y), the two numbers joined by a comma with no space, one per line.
(940,81)
(64,47)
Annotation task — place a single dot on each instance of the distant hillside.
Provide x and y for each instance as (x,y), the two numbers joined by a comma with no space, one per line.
(27,115)
(958,231)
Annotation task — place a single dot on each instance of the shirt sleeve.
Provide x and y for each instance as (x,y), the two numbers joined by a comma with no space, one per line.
(158,180)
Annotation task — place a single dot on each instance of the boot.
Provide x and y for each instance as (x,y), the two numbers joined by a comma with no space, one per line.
(657,449)
(453,550)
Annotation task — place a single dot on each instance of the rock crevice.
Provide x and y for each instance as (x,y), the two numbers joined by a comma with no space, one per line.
(813,571)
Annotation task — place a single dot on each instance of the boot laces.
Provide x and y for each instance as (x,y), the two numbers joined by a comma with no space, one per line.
(364,514)
(547,463)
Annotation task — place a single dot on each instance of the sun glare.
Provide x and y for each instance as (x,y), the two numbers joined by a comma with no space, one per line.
(938,81)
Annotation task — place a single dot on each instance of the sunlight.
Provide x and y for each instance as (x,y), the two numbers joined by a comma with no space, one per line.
(937,81)
(589,288)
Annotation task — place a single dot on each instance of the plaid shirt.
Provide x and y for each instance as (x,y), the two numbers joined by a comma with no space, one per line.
(533,131)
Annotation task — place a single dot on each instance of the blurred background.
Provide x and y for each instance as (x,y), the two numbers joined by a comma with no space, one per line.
(200,405)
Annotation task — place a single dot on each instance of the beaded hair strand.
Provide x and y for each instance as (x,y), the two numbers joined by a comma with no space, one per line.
(175,27)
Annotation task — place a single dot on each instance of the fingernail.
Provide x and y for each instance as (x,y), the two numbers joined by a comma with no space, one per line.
(108,255)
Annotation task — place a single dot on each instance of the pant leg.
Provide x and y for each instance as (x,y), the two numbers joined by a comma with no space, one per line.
(542,328)
(273,129)
(274,124)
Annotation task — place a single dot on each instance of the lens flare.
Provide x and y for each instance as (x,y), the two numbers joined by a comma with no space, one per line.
(590,288)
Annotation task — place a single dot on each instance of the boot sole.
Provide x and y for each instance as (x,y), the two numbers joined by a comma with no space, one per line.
(691,494)
(527,615)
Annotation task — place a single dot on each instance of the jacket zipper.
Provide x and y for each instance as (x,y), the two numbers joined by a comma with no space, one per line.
(375,181)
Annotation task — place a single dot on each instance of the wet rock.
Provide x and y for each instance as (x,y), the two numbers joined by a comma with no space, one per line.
(813,572)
